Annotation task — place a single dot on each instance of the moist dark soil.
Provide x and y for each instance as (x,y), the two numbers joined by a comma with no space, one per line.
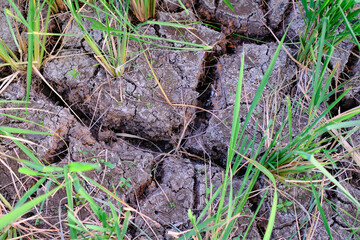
(171,154)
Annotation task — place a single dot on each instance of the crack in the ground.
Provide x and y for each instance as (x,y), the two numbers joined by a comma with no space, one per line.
(195,191)
(216,3)
(206,80)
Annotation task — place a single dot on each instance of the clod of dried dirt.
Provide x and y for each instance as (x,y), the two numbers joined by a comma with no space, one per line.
(246,18)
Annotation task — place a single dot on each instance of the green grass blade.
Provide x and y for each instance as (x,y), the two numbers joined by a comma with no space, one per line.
(26,150)
(30,192)
(348,25)
(69,196)
(271,220)
(16,213)
(255,213)
(31,15)
(317,81)
(96,25)
(227,2)
(22,131)
(125,225)
(236,123)
(183,7)
(321,210)
(233,140)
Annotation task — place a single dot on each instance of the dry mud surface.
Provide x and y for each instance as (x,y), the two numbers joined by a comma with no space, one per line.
(165,177)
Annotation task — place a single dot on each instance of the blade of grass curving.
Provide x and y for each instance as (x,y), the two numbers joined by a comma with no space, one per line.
(271,219)
(354,231)
(167,24)
(23,119)
(7,11)
(312,159)
(19,16)
(183,7)
(348,25)
(114,12)
(8,56)
(16,213)
(341,125)
(75,224)
(80,190)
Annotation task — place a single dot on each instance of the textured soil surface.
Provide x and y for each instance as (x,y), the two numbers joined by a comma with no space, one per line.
(170,154)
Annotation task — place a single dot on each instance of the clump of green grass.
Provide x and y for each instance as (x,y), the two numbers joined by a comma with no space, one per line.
(284,157)
(31,49)
(337,19)
(113,55)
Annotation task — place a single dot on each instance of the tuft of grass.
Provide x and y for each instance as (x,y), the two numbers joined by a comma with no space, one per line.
(286,155)
(32,50)
(342,22)
(221,224)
